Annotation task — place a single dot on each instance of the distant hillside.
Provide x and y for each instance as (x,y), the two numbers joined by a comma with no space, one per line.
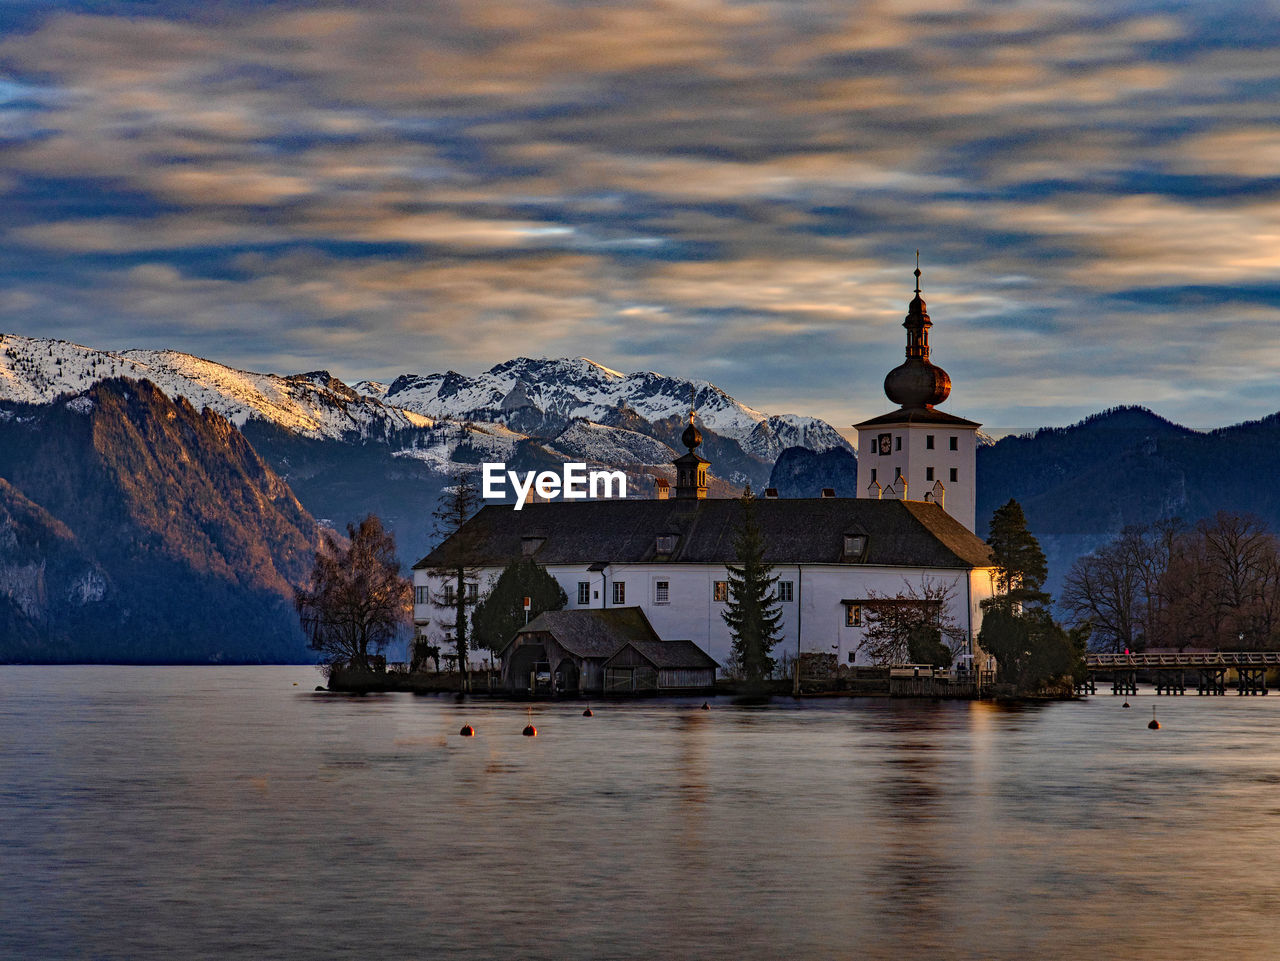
(800,472)
(134,528)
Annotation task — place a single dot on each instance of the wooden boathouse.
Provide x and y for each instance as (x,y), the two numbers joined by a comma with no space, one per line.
(611,650)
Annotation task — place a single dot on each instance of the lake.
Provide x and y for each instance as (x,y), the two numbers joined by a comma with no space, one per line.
(178,812)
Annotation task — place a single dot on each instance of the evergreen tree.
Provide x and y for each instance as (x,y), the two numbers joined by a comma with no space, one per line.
(458,502)
(1020,565)
(497,618)
(356,600)
(1017,629)
(754,614)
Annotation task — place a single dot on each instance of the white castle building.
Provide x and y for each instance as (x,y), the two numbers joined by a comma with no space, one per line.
(912,525)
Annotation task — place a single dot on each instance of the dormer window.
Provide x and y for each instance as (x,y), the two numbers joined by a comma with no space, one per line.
(529,545)
(666,543)
(855,545)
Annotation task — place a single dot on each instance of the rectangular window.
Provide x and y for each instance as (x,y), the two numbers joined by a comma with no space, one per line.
(955,444)
(928,473)
(666,543)
(897,472)
(873,474)
(473,593)
(662,592)
(897,443)
(420,595)
(853,615)
(584,593)
(786,591)
(928,442)
(955,475)
(619,592)
(720,591)
(449,595)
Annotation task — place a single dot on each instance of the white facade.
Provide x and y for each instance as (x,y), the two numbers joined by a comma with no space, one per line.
(924,455)
(680,600)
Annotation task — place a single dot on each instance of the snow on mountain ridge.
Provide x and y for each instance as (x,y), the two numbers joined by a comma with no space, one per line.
(567,389)
(36,370)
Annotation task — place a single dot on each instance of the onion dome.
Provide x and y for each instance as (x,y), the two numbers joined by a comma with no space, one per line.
(692,437)
(916,382)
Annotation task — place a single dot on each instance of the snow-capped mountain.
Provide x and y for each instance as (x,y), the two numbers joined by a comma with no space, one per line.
(315,405)
(544,396)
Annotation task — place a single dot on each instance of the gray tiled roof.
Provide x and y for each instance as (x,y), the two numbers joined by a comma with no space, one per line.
(803,530)
(674,654)
(595,632)
(918,415)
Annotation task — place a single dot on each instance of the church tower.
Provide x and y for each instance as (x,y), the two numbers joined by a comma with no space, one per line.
(918,452)
(691,470)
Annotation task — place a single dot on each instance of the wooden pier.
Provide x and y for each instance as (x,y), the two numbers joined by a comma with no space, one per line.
(1168,672)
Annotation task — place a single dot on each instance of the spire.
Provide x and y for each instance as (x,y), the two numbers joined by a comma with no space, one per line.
(691,437)
(691,469)
(917,382)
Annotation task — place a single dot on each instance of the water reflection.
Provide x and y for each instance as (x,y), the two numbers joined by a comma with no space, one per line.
(221,813)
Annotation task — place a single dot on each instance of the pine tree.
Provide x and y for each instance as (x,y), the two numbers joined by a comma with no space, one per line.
(457,503)
(1020,565)
(1029,646)
(754,615)
(501,613)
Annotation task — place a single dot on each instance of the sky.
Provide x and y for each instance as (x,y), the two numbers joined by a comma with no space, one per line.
(730,191)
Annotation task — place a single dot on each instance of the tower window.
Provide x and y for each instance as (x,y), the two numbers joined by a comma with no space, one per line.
(928,473)
(873,473)
(897,443)
(955,445)
(928,442)
(955,475)
(897,472)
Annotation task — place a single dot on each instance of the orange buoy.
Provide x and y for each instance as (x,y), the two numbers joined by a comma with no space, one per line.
(1153,723)
(1125,704)
(530,731)
(706,706)
(467,731)
(588,713)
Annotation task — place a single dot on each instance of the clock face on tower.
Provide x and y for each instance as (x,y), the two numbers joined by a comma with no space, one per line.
(886,443)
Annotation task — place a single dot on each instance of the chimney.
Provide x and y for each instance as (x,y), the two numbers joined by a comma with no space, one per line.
(828,492)
(939,494)
(662,488)
(771,493)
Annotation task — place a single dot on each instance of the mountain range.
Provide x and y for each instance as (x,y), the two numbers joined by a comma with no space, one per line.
(158,506)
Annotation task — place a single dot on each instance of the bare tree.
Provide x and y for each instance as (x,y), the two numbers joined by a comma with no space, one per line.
(356,602)
(1117,588)
(914,623)
(1221,586)
(458,591)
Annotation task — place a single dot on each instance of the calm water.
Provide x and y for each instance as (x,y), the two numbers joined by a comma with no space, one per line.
(160,813)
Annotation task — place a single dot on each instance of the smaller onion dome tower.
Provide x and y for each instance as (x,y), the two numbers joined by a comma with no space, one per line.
(918,447)
(691,469)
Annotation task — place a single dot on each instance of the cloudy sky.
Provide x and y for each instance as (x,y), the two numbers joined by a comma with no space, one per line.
(732,191)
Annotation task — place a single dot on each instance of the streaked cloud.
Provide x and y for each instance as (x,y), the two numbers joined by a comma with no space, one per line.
(727,190)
